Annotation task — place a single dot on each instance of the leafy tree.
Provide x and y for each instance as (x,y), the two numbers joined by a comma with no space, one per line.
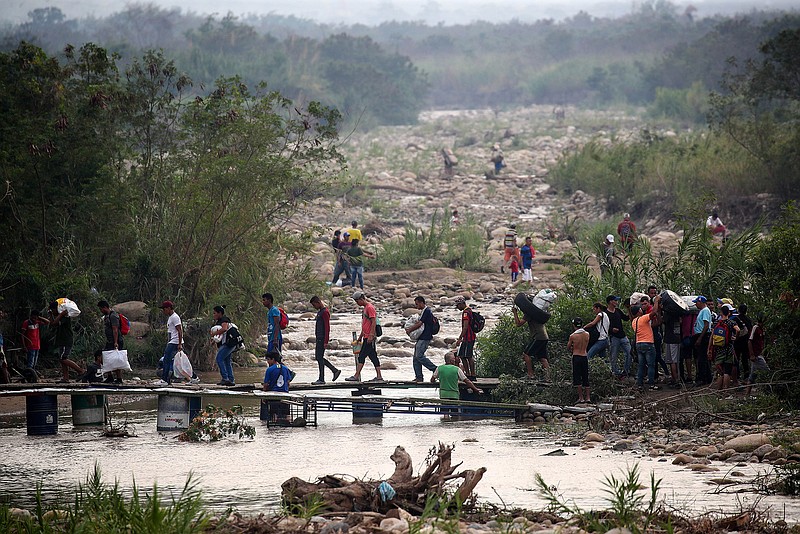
(761,109)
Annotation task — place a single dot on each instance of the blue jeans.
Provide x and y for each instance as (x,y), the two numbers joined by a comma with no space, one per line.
(420,359)
(647,357)
(625,345)
(169,358)
(599,346)
(357,270)
(341,268)
(33,358)
(224,362)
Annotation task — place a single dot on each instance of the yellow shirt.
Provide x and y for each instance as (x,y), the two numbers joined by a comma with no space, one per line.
(355,233)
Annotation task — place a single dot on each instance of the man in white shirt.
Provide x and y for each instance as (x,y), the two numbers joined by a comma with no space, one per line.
(714,224)
(174,341)
(602,323)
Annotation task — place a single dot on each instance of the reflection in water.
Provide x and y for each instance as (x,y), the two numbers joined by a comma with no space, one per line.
(248,475)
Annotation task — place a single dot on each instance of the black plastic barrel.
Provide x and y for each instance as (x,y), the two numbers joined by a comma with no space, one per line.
(41,414)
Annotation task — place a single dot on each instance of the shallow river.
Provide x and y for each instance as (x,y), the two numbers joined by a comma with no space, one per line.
(247,475)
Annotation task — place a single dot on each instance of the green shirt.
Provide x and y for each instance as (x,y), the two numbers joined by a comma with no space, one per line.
(356,256)
(449,376)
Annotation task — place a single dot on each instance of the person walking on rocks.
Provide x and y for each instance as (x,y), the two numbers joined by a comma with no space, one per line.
(466,340)
(367,338)
(626,230)
(618,340)
(578,341)
(355,256)
(537,347)
(509,246)
(274,334)
(426,322)
(224,351)
(64,339)
(702,326)
(322,335)
(174,341)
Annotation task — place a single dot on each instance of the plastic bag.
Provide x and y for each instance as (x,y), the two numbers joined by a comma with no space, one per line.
(115,360)
(411,321)
(544,299)
(181,366)
(64,304)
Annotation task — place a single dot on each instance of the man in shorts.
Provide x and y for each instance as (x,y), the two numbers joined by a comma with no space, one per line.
(673,339)
(466,340)
(367,338)
(578,341)
(537,347)
(64,338)
(758,365)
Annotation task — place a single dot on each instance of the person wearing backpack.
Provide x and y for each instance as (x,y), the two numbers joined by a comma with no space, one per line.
(430,326)
(274,335)
(466,340)
(219,334)
(602,323)
(627,232)
(720,344)
(113,332)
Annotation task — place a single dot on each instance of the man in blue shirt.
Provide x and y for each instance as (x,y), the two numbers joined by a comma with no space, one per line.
(700,341)
(274,337)
(426,322)
(527,252)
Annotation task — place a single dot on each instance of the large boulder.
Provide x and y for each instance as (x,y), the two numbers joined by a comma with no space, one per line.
(746,443)
(134,310)
(138,328)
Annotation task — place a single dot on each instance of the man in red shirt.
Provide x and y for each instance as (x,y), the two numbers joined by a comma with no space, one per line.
(322,335)
(466,341)
(627,232)
(31,339)
(369,321)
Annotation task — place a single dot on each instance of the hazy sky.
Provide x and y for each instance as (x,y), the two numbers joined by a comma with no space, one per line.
(375,11)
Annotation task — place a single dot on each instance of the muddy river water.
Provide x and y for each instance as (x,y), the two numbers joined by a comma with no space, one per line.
(247,475)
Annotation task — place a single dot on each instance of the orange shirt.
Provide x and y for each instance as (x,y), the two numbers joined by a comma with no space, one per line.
(643,330)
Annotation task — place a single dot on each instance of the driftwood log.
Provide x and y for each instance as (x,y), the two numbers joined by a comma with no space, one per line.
(340,495)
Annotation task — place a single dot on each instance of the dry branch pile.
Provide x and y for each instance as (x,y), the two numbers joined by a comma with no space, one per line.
(340,495)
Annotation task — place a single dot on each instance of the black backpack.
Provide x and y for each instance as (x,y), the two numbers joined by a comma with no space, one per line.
(233,338)
(477,322)
(436,327)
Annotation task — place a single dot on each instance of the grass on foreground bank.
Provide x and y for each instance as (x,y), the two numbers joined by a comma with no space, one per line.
(99,507)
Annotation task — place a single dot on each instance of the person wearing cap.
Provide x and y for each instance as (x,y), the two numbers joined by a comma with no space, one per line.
(700,341)
(354,232)
(642,324)
(626,230)
(608,254)
(367,338)
(426,322)
(113,333)
(618,339)
(722,354)
(578,341)
(509,246)
(174,341)
(466,340)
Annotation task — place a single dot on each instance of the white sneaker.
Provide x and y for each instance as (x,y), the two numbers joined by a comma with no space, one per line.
(160,383)
(195,380)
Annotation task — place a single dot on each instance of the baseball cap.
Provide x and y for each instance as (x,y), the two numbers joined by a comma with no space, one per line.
(725,301)
(577,321)
(346,234)
(167,304)
(728,307)
(611,297)
(700,298)
(610,238)
(358,295)
(459,300)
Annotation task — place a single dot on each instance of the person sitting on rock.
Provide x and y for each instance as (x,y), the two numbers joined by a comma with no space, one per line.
(714,224)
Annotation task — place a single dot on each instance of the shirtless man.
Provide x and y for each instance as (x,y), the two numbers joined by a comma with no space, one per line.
(577,344)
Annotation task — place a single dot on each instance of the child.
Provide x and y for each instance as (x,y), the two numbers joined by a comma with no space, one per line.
(577,344)
(514,269)
(31,337)
(94,371)
(756,346)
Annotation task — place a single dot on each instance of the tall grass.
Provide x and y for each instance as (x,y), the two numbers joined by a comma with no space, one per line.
(460,247)
(99,507)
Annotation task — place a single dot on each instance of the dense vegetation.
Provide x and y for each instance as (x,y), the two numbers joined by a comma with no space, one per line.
(658,55)
(119,186)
